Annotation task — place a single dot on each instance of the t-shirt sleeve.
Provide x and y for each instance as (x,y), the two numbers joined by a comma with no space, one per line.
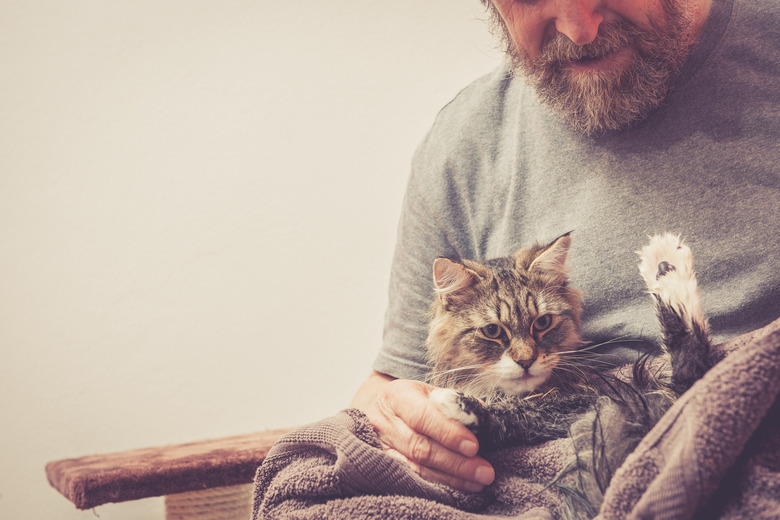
(421,239)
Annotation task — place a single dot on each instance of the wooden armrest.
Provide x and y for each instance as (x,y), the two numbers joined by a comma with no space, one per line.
(118,477)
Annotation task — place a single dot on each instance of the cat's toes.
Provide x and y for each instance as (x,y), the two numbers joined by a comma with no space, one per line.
(663,268)
(667,269)
(452,404)
(663,255)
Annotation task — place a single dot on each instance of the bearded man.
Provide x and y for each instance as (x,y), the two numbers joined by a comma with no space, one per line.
(617,119)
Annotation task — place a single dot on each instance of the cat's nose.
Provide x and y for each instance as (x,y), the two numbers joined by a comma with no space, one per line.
(526,363)
(524,353)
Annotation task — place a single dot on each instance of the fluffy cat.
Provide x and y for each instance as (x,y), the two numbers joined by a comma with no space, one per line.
(506,354)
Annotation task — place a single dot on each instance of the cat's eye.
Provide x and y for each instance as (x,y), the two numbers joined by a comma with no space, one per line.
(543,323)
(492,331)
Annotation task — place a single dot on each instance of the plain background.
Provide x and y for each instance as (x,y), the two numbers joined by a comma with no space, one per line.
(198,205)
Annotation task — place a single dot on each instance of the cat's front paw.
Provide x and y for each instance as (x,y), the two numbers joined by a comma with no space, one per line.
(667,269)
(455,406)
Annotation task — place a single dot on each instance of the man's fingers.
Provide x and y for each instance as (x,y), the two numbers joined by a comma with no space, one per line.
(425,418)
(438,477)
(429,454)
(429,441)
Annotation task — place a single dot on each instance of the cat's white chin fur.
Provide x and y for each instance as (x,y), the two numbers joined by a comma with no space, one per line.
(514,380)
(446,400)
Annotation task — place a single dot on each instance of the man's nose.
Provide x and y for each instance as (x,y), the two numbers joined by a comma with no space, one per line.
(579,20)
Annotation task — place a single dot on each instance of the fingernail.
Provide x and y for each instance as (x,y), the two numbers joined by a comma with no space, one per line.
(484,475)
(468,448)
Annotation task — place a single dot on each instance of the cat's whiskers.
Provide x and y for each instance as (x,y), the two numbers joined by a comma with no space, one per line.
(458,369)
(619,339)
(590,361)
(577,368)
(456,377)
(570,369)
(479,381)
(483,385)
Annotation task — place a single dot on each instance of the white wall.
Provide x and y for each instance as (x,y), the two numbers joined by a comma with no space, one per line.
(198,202)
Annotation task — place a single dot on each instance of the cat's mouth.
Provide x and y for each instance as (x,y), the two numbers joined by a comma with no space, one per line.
(513,379)
(521,383)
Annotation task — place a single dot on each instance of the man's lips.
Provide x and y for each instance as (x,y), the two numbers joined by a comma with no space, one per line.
(602,62)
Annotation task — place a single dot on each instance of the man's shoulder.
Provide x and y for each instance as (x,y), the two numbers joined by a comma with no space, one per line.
(472,124)
(483,94)
(763,11)
(753,26)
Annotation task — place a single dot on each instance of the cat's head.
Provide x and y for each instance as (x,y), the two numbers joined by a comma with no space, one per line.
(500,327)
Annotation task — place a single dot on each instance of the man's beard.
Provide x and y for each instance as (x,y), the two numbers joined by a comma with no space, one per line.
(612,99)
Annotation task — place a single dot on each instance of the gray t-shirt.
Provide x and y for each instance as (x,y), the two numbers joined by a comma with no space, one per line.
(498,171)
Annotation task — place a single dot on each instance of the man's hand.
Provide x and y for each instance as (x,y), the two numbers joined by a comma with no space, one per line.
(413,429)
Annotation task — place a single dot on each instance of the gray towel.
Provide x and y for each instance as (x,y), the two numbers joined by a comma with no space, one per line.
(715,454)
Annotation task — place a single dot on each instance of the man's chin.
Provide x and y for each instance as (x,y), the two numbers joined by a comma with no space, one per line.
(592,109)
(603,95)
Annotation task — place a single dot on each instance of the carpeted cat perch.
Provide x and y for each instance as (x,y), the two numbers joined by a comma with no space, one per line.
(208,480)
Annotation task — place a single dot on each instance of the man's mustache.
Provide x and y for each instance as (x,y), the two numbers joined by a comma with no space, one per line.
(560,50)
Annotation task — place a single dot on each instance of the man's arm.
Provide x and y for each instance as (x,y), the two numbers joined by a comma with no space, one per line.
(412,429)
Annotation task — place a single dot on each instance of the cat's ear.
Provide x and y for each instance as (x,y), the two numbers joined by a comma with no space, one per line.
(552,259)
(452,277)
